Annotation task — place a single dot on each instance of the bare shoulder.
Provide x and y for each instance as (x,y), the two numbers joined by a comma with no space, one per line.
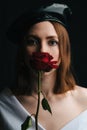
(81,95)
(81,90)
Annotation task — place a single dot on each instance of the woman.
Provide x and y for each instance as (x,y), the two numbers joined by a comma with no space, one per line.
(44,32)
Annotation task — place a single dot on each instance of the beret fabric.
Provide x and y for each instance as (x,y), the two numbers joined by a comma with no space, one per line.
(55,12)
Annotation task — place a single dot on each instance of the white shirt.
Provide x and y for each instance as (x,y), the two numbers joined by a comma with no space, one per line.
(13,114)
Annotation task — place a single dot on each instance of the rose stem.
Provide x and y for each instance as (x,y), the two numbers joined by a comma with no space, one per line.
(38,104)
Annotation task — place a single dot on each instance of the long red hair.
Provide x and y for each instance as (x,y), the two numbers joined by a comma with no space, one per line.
(65,79)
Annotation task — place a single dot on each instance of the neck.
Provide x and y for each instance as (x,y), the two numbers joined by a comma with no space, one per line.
(48,82)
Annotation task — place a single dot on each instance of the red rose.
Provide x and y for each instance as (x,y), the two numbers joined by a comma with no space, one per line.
(42,61)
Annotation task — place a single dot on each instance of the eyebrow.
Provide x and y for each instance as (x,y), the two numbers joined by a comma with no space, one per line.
(51,37)
(48,37)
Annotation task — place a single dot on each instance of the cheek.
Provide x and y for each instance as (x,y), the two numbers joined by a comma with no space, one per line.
(56,57)
(30,50)
(55,54)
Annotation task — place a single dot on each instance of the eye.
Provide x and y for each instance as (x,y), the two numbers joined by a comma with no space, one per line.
(53,42)
(31,42)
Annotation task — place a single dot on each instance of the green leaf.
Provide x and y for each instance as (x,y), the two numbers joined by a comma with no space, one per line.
(27,123)
(46,105)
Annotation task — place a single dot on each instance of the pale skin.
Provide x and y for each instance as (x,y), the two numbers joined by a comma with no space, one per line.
(65,107)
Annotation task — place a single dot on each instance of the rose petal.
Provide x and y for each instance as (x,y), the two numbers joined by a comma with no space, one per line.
(42,61)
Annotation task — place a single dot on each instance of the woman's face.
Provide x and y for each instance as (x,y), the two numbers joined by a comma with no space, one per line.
(42,37)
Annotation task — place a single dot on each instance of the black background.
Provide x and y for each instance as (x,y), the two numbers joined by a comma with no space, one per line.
(10,9)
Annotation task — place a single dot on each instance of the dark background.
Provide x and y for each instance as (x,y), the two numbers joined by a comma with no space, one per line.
(10,9)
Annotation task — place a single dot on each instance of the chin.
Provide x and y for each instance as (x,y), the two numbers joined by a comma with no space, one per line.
(50,71)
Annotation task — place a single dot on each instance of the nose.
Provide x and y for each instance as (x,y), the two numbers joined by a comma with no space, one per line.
(44,47)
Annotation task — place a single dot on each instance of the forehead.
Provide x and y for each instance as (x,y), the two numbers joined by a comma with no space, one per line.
(43,28)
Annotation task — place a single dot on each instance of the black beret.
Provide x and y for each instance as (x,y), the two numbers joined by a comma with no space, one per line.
(55,12)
